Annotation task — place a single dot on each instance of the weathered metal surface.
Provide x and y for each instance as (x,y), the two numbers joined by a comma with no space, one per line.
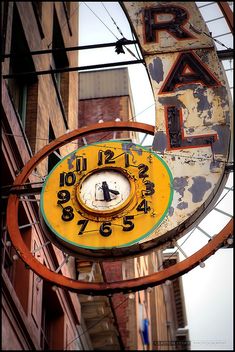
(98,196)
(193,105)
(174,22)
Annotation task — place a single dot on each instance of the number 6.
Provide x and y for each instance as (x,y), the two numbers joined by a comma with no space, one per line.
(105,229)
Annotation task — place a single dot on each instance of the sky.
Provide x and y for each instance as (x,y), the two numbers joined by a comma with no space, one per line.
(208,291)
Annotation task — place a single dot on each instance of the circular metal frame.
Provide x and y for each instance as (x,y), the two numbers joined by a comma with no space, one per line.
(91,288)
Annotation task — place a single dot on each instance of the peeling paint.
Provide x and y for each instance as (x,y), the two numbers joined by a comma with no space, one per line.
(156,70)
(215,166)
(222,93)
(199,188)
(171,211)
(70,161)
(127,148)
(182,205)
(160,142)
(203,103)
(172,101)
(221,145)
(179,184)
(193,141)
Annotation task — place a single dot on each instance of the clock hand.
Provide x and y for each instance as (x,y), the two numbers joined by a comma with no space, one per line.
(113,191)
(105,189)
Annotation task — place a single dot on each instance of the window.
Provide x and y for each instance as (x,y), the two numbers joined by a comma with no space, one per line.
(60,61)
(52,329)
(53,158)
(37,8)
(23,89)
(16,271)
(7,251)
(4,15)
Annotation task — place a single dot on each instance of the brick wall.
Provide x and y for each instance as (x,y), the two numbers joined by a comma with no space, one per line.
(113,272)
(91,111)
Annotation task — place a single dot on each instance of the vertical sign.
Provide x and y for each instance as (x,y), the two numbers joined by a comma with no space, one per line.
(193,104)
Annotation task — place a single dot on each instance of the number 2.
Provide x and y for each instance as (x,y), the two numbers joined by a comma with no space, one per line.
(143,169)
(109,154)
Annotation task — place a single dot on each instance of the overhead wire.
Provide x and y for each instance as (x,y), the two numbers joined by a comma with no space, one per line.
(109,28)
(119,30)
(100,20)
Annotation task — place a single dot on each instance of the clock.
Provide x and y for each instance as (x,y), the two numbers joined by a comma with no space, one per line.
(105,195)
(104,190)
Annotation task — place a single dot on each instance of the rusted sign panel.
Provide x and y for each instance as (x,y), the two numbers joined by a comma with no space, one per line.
(193,105)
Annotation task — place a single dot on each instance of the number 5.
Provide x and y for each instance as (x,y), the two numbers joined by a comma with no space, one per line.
(126,221)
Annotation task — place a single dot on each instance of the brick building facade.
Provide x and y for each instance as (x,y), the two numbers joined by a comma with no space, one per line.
(36,108)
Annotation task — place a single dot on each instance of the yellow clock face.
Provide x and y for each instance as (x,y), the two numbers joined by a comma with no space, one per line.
(106,195)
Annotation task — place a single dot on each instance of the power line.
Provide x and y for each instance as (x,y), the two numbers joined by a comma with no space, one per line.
(199,31)
(123,39)
(99,19)
(113,20)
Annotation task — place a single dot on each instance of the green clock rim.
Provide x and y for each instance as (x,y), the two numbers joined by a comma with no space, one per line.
(76,246)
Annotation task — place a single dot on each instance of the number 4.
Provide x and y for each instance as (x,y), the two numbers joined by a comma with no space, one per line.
(143,206)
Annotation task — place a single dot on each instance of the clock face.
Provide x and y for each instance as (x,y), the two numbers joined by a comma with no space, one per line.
(104,190)
(106,195)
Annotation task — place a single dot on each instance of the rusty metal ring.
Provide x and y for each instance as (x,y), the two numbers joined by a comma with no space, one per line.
(102,288)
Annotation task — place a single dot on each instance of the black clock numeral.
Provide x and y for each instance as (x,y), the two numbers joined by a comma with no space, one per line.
(81,164)
(143,169)
(143,206)
(149,188)
(83,227)
(64,196)
(67,214)
(127,162)
(109,154)
(108,157)
(105,229)
(126,221)
(67,178)
(100,157)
